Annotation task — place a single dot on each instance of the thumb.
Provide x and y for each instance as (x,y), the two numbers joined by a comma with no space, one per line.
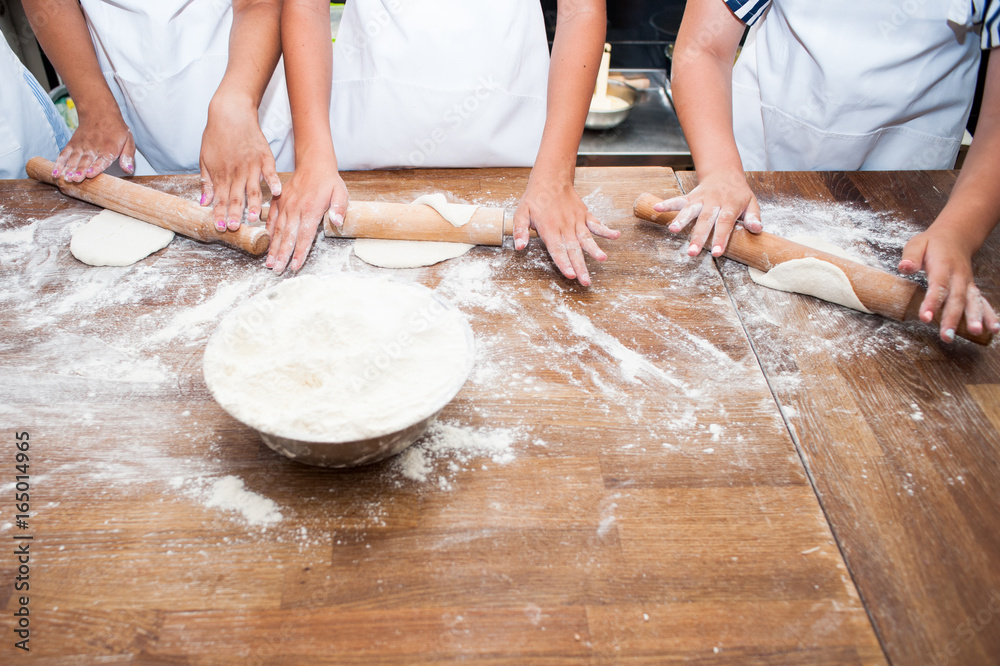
(913,255)
(127,159)
(207,189)
(338,206)
(522,220)
(751,218)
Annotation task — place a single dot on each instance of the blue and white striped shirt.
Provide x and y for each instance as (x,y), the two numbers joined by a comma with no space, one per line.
(986,12)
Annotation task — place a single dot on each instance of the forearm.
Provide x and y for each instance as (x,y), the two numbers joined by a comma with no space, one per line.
(702,84)
(973,209)
(576,56)
(254,49)
(308,52)
(62,31)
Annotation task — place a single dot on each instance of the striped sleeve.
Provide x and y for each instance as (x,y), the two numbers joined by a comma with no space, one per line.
(749,11)
(991,25)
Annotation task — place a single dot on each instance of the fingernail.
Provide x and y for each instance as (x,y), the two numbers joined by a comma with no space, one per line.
(251,215)
(950,335)
(995,328)
(717,251)
(692,249)
(338,220)
(276,190)
(55,172)
(220,225)
(202,202)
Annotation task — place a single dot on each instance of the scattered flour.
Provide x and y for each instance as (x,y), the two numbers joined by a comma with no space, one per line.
(461,445)
(230,494)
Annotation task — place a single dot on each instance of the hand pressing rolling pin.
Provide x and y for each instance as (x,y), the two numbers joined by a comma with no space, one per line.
(168,93)
(894,104)
(442,94)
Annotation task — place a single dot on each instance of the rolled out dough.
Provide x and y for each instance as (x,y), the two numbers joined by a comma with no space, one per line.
(113,239)
(411,254)
(813,277)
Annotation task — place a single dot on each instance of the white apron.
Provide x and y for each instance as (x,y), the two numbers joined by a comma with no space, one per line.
(439,83)
(163,61)
(30,126)
(890,87)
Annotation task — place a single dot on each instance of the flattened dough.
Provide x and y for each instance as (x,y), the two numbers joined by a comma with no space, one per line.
(412,254)
(813,277)
(113,239)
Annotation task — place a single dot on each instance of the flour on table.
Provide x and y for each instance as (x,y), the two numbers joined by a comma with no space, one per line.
(412,254)
(812,276)
(337,359)
(113,239)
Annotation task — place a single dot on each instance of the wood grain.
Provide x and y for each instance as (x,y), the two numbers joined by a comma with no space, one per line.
(899,432)
(642,500)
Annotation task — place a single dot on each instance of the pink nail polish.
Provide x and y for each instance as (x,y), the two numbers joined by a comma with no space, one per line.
(55,172)
(202,202)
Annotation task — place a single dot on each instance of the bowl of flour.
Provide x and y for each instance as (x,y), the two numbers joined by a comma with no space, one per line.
(340,370)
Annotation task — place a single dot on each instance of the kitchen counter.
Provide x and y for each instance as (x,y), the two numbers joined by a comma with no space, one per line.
(631,472)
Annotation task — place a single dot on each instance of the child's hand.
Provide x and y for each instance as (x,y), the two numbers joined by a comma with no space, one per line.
(296,214)
(234,157)
(553,208)
(101,138)
(718,201)
(948,264)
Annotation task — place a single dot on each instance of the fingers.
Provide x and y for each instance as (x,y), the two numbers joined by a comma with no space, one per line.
(71,172)
(706,220)
(556,245)
(273,181)
(952,313)
(724,224)
(913,255)
(61,160)
(677,203)
(599,228)
(578,261)
(221,208)
(283,232)
(688,213)
(587,241)
(254,196)
(100,165)
(303,243)
(241,185)
(522,222)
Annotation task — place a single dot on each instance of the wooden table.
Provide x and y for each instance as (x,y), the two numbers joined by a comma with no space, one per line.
(624,482)
(898,432)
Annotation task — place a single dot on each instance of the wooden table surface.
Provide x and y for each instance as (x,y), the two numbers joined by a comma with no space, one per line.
(898,432)
(646,470)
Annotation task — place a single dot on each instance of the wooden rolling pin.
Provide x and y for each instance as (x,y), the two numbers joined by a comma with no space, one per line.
(164,210)
(889,295)
(398,221)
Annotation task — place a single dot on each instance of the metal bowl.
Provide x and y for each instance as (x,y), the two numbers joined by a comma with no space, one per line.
(331,450)
(602,120)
